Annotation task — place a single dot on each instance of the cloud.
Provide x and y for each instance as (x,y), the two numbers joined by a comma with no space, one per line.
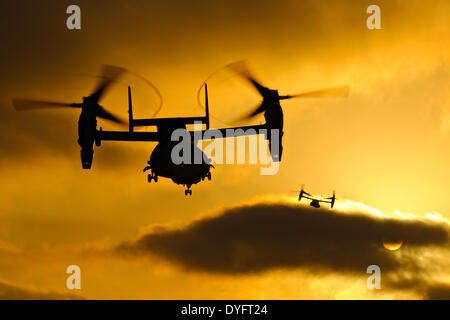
(422,284)
(7,248)
(438,292)
(13,292)
(263,236)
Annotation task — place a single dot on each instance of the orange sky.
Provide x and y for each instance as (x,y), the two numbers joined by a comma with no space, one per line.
(386,146)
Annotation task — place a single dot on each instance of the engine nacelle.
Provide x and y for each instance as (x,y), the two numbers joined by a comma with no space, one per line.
(86,157)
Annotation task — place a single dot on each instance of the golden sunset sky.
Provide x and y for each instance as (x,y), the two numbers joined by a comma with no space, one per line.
(385,149)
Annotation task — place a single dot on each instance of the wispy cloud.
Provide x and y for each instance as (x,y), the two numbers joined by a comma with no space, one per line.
(9,291)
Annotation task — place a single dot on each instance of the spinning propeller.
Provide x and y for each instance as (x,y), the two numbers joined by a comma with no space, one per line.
(271,96)
(109,75)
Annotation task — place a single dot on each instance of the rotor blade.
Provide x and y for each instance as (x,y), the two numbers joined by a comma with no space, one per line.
(257,111)
(260,109)
(102,113)
(241,68)
(109,75)
(20,104)
(339,92)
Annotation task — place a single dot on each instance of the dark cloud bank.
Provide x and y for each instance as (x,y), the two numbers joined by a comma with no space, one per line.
(12,292)
(260,237)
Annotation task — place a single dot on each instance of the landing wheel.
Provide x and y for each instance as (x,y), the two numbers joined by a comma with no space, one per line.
(98,142)
(151,177)
(208,175)
(188,191)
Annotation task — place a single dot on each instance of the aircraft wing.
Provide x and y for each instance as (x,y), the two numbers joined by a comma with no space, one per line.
(203,134)
(229,132)
(127,136)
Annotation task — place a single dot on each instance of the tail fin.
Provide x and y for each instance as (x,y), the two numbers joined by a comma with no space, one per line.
(333,199)
(206,106)
(130,111)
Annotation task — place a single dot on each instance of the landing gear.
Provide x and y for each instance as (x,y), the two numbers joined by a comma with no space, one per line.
(151,177)
(188,191)
(97,140)
(208,175)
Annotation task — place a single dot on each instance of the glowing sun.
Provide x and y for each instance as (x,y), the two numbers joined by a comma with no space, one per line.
(392,246)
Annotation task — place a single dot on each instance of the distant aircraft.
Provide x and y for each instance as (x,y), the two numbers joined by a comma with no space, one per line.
(314,201)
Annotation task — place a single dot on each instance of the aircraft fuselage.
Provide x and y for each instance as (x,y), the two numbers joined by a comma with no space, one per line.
(187,174)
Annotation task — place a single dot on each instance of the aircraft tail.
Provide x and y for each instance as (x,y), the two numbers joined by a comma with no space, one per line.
(130,111)
(206,107)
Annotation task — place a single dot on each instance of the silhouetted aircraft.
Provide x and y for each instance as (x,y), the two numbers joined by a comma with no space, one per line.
(314,201)
(161,162)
